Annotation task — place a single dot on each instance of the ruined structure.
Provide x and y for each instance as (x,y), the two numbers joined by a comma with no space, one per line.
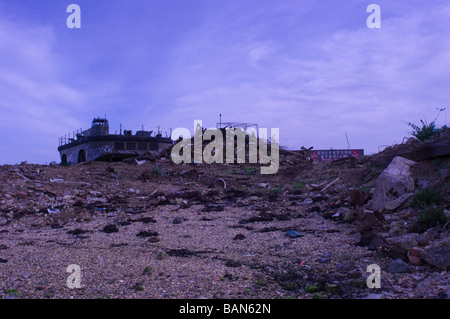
(97,144)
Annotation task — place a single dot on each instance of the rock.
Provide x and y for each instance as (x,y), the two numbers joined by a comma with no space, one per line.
(409,240)
(177,220)
(346,213)
(22,194)
(396,203)
(396,227)
(403,244)
(393,182)
(145,234)
(357,197)
(439,255)
(347,266)
(354,275)
(324,259)
(414,256)
(398,266)
(239,237)
(110,229)
(307,201)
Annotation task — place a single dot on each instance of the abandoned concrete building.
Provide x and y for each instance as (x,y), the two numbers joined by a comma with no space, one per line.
(96,144)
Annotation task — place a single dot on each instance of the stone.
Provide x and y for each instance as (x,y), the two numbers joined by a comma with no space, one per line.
(414,256)
(177,220)
(438,255)
(393,182)
(307,201)
(398,266)
(354,275)
(346,266)
(402,244)
(406,242)
(396,203)
(239,237)
(110,229)
(357,197)
(346,213)
(396,227)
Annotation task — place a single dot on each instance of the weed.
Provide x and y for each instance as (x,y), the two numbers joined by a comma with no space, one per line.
(158,171)
(312,289)
(138,288)
(261,282)
(428,130)
(427,197)
(299,185)
(432,216)
(12,292)
(147,270)
(290,286)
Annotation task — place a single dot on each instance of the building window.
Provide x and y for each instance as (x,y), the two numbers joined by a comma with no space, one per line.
(131,146)
(119,146)
(142,146)
(153,146)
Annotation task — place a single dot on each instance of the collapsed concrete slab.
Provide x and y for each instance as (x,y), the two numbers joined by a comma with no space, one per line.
(394,182)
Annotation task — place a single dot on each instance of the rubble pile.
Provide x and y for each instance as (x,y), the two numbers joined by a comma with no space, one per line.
(147,228)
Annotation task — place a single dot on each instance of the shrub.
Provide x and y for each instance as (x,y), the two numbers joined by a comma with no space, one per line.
(427,197)
(428,130)
(432,216)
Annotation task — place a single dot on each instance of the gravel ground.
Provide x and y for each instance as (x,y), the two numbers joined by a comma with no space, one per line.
(167,243)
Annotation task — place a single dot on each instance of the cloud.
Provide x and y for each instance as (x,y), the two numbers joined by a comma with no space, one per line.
(36,103)
(365,82)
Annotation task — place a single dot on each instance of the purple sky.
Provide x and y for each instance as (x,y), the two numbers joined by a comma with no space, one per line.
(310,68)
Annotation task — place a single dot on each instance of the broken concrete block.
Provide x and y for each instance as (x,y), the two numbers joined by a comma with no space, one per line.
(393,182)
(438,255)
(396,203)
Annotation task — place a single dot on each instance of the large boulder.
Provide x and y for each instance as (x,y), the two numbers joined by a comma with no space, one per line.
(438,255)
(393,183)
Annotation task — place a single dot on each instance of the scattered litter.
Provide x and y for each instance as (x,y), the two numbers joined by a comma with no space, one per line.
(220,180)
(140,162)
(294,234)
(53,180)
(331,184)
(56,211)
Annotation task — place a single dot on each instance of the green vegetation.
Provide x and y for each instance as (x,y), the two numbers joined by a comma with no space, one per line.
(138,287)
(427,197)
(158,171)
(290,286)
(298,185)
(312,289)
(430,201)
(427,130)
(12,292)
(432,216)
(261,282)
(147,270)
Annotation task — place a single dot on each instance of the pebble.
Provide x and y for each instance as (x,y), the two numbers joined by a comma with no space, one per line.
(177,220)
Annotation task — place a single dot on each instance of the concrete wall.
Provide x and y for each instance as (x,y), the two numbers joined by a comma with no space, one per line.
(94,150)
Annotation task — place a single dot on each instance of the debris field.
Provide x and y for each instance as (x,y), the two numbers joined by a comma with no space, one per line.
(153,229)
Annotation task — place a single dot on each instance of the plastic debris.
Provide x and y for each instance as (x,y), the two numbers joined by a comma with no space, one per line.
(220,180)
(50,211)
(294,234)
